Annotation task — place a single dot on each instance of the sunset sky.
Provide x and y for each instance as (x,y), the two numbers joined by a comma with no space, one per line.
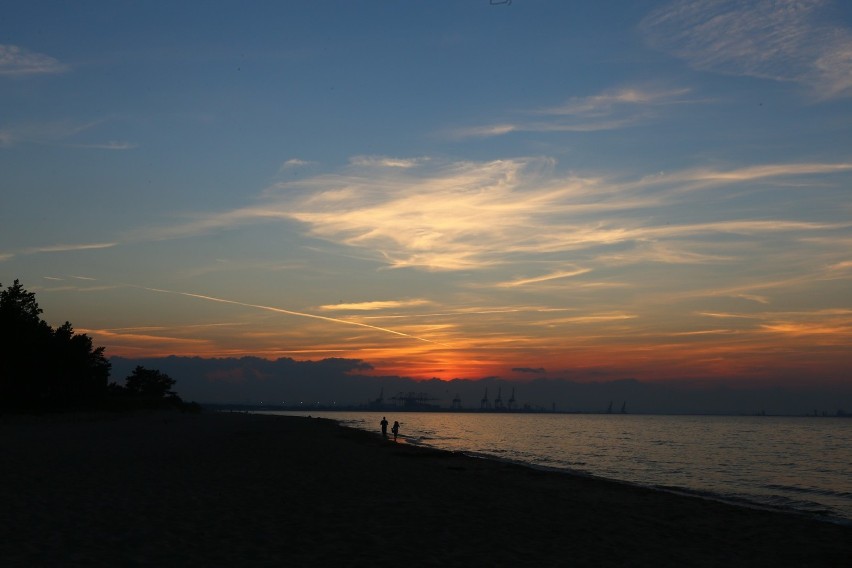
(641,189)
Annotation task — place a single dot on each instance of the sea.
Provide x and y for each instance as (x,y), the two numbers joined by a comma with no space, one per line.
(793,464)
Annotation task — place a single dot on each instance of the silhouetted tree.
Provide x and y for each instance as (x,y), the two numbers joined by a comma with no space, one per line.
(80,370)
(21,333)
(148,388)
(41,367)
(149,383)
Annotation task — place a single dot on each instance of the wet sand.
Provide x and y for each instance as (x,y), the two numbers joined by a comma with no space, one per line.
(220,489)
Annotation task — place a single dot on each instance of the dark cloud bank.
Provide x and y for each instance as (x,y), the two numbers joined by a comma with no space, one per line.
(250,380)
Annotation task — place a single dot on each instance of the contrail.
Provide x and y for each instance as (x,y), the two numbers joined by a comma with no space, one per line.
(288,312)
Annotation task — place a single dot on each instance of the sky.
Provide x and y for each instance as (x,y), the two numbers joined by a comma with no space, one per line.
(650,190)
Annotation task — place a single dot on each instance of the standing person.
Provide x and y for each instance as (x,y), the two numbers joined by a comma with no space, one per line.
(384,424)
(395,430)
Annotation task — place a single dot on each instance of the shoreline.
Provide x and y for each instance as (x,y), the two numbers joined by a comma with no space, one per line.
(817,499)
(234,488)
(678,491)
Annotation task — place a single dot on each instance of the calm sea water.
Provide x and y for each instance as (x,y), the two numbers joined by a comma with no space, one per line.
(799,464)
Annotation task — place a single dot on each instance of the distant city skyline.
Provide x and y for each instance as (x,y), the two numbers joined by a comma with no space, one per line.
(653,190)
(344,384)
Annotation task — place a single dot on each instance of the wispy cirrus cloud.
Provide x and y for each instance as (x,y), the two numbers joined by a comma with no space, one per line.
(544,126)
(765,171)
(843,266)
(613,101)
(784,40)
(295,163)
(724,315)
(841,332)
(693,179)
(128,341)
(111,145)
(289,312)
(753,298)
(835,323)
(386,161)
(443,216)
(588,319)
(544,278)
(69,247)
(58,132)
(16,61)
(651,250)
(41,132)
(373,306)
(746,288)
(610,110)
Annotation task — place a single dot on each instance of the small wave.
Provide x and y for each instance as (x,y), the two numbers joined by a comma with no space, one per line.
(809,490)
(778,503)
(784,503)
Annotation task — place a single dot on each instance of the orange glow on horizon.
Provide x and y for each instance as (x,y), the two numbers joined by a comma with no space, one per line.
(735,360)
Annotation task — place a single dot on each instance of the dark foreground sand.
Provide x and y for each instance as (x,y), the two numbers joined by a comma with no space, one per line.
(167,489)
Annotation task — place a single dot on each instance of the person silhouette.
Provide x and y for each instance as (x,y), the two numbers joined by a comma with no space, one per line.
(395,430)
(384,424)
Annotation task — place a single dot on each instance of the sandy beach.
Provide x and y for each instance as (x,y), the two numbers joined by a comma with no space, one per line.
(229,489)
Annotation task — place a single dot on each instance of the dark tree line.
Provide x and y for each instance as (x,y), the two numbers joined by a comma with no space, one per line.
(42,368)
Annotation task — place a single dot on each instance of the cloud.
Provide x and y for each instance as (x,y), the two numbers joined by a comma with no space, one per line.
(593,318)
(766,171)
(607,103)
(609,110)
(784,40)
(68,247)
(544,278)
(18,61)
(698,179)
(662,253)
(385,162)
(295,163)
(753,298)
(841,266)
(56,131)
(447,216)
(809,328)
(485,131)
(140,340)
(539,370)
(288,312)
(57,248)
(703,332)
(543,126)
(370,306)
(723,315)
(111,145)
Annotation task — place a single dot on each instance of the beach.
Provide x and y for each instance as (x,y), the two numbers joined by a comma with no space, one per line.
(226,489)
